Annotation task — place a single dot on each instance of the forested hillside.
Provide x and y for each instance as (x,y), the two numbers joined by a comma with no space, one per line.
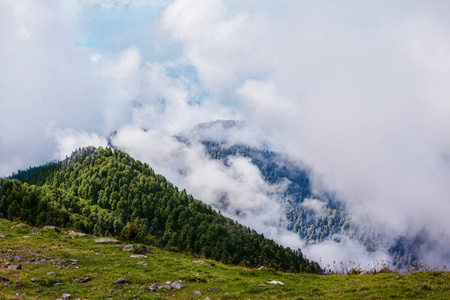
(106,192)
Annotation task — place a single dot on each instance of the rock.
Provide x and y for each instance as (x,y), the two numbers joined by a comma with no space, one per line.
(26,236)
(106,241)
(75,233)
(7,264)
(167,287)
(85,279)
(18,284)
(128,248)
(34,230)
(273,282)
(198,293)
(33,279)
(54,228)
(13,257)
(138,256)
(142,263)
(120,281)
(21,225)
(2,236)
(50,273)
(178,284)
(202,262)
(15,267)
(69,262)
(66,296)
(207,298)
(137,248)
(261,268)
(58,283)
(2,278)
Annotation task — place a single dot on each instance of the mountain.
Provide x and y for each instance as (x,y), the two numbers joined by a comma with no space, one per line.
(106,192)
(316,218)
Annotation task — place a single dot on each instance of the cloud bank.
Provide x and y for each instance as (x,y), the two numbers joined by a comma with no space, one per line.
(356,91)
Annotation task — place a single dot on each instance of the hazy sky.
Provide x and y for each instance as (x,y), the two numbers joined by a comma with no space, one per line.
(357,90)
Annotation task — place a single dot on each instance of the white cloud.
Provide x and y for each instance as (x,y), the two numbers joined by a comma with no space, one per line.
(68,140)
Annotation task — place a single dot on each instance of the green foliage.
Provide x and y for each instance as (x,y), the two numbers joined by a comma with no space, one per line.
(135,233)
(99,190)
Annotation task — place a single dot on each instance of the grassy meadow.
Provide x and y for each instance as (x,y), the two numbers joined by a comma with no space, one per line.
(52,276)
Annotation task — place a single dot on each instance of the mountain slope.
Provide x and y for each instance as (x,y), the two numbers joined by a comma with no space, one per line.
(47,271)
(100,191)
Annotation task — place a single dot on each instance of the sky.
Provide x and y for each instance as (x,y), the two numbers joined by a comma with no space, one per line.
(355,90)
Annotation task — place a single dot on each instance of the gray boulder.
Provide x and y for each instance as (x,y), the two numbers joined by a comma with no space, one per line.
(75,233)
(15,267)
(202,262)
(54,228)
(177,284)
(106,241)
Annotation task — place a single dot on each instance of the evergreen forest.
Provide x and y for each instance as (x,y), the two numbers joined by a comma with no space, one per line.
(105,192)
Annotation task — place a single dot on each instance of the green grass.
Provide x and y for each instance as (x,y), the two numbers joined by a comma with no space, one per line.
(106,263)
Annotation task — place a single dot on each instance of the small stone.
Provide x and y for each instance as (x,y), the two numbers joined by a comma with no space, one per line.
(34,230)
(2,236)
(111,290)
(85,279)
(58,283)
(66,296)
(21,225)
(33,279)
(207,298)
(178,285)
(18,284)
(106,241)
(120,281)
(69,262)
(15,267)
(2,278)
(198,293)
(138,256)
(128,248)
(54,228)
(26,236)
(50,273)
(75,233)
(7,264)
(274,282)
(202,262)
(261,268)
